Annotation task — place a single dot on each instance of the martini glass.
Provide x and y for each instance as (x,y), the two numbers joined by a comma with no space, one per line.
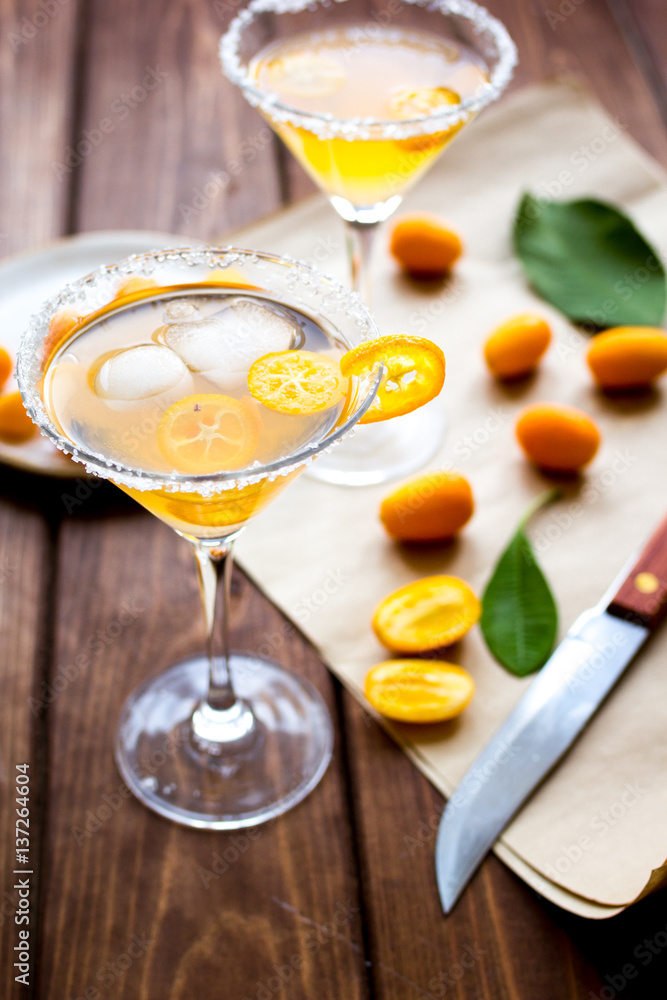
(229,739)
(366,100)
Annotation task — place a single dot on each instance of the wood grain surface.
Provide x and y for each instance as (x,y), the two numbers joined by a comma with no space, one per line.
(336,898)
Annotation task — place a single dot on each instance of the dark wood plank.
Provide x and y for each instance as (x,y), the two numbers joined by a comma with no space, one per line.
(585,40)
(36,76)
(182,151)
(645,28)
(24,603)
(36,59)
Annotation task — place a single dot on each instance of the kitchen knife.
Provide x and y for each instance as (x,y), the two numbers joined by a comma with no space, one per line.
(549,717)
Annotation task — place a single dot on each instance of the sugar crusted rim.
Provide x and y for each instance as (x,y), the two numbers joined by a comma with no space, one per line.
(326,125)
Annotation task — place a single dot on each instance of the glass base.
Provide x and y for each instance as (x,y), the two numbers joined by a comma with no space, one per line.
(272,766)
(367,215)
(377,453)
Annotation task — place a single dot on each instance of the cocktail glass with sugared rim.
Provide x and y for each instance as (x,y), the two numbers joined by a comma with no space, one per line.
(140,372)
(367,99)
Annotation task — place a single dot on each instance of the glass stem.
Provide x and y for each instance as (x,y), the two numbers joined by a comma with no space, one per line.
(360,241)
(221,718)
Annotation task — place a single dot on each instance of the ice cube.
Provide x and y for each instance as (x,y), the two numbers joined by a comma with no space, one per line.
(200,343)
(259,328)
(139,373)
(232,339)
(180,309)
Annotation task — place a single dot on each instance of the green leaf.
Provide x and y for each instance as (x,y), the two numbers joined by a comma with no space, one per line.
(589,260)
(519,616)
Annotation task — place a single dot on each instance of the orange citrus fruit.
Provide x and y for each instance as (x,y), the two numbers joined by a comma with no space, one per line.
(5,366)
(428,508)
(15,424)
(427,614)
(414,373)
(414,102)
(628,357)
(411,102)
(208,433)
(297,382)
(556,437)
(418,690)
(515,347)
(424,246)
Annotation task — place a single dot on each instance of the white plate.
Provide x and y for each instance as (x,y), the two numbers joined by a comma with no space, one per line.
(27,280)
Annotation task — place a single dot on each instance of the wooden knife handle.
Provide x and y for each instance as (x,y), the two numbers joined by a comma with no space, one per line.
(642,597)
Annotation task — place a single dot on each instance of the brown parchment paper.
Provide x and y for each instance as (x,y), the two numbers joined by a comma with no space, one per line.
(594,837)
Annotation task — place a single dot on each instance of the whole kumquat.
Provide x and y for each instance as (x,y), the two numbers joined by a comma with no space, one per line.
(514,348)
(556,437)
(628,357)
(428,508)
(424,246)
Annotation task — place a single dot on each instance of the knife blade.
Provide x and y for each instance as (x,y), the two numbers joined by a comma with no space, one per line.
(546,721)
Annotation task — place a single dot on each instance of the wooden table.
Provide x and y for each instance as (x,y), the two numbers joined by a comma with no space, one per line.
(337,899)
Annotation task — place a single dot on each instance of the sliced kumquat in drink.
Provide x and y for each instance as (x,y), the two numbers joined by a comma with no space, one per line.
(228,276)
(414,373)
(60,325)
(413,102)
(15,424)
(418,690)
(208,433)
(306,74)
(131,286)
(297,382)
(427,614)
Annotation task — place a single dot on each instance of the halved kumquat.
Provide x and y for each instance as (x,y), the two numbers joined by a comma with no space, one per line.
(208,433)
(418,690)
(297,382)
(414,373)
(427,614)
